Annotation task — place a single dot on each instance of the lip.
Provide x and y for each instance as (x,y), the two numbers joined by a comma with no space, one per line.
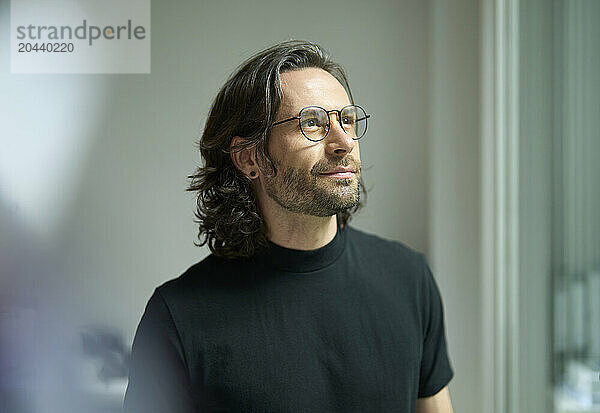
(339,170)
(339,175)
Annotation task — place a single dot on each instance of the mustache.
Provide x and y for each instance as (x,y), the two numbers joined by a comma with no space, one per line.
(326,165)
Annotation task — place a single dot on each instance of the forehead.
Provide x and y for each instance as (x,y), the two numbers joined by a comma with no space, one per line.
(308,87)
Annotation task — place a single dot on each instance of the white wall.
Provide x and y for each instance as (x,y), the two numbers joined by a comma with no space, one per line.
(454,187)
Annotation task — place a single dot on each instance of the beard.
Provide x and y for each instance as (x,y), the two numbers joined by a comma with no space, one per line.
(307,192)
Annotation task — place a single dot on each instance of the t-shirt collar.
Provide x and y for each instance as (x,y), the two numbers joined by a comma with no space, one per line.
(291,260)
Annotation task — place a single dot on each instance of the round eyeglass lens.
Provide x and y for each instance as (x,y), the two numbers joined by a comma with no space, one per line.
(354,121)
(314,123)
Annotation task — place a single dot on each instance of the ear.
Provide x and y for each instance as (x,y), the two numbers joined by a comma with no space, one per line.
(245,159)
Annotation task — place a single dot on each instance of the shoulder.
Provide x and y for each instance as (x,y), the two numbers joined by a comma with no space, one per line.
(207,282)
(387,262)
(189,286)
(379,249)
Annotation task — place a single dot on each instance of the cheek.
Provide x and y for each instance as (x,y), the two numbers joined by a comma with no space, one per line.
(300,153)
(276,149)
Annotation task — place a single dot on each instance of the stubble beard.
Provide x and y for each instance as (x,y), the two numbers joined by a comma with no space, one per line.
(306,192)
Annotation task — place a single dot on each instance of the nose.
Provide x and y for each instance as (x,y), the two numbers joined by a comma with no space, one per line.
(337,141)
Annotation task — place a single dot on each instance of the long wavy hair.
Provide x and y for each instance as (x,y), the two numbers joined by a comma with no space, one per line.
(227,212)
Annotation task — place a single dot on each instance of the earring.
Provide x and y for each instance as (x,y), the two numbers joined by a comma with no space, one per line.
(252,173)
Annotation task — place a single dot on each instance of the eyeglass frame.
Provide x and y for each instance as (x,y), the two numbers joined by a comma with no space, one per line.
(339,117)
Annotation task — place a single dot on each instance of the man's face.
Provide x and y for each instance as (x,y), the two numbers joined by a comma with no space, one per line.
(304,182)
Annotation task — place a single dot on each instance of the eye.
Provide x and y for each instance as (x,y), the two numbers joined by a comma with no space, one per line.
(348,120)
(310,123)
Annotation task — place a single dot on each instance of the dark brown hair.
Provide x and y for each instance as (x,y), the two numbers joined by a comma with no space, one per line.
(227,212)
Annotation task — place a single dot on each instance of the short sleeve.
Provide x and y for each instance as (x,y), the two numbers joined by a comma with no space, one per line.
(158,378)
(436,370)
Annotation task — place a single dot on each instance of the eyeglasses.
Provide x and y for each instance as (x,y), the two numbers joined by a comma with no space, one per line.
(315,123)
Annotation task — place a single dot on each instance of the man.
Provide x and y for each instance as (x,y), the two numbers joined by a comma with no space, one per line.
(293,311)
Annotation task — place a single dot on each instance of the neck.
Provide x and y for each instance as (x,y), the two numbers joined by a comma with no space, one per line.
(298,231)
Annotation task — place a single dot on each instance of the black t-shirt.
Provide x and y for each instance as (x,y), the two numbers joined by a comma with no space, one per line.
(354,326)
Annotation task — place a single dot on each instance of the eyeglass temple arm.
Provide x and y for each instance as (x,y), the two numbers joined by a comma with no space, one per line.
(286,120)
